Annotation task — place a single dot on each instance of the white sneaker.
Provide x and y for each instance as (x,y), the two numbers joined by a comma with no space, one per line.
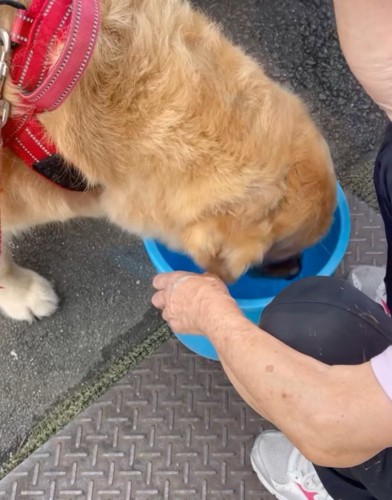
(370,280)
(284,471)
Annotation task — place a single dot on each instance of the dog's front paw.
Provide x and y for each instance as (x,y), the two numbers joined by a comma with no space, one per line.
(25,295)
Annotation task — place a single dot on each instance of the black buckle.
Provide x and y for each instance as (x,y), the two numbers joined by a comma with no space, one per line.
(57,170)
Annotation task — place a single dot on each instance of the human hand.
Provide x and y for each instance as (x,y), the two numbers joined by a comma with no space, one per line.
(192,303)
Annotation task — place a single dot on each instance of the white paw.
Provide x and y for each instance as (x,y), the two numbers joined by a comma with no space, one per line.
(25,295)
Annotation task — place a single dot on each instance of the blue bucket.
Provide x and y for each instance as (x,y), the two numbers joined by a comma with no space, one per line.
(252,293)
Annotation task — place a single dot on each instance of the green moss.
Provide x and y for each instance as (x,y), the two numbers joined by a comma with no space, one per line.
(68,409)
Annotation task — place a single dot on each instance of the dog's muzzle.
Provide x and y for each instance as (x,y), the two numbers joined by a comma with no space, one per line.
(285,269)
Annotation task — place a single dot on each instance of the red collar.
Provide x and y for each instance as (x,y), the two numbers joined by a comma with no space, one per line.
(42,87)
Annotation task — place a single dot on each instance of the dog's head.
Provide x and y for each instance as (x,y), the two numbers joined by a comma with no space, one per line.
(287,201)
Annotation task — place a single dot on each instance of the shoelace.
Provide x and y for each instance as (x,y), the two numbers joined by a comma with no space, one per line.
(311,482)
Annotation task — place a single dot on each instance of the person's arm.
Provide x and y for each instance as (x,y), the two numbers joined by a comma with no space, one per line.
(337,416)
(365,34)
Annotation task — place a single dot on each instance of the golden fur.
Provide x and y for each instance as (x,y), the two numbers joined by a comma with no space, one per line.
(184,138)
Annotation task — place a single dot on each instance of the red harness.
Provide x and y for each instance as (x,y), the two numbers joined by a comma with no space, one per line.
(43,85)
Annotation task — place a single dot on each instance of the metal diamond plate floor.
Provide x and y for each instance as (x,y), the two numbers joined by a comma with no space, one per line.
(173,428)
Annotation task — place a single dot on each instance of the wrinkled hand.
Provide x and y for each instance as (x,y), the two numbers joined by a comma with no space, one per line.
(192,303)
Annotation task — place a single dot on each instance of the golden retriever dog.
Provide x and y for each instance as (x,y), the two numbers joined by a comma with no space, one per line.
(181,137)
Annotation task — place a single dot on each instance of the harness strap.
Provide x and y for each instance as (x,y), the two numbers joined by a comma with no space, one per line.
(43,85)
(36,31)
